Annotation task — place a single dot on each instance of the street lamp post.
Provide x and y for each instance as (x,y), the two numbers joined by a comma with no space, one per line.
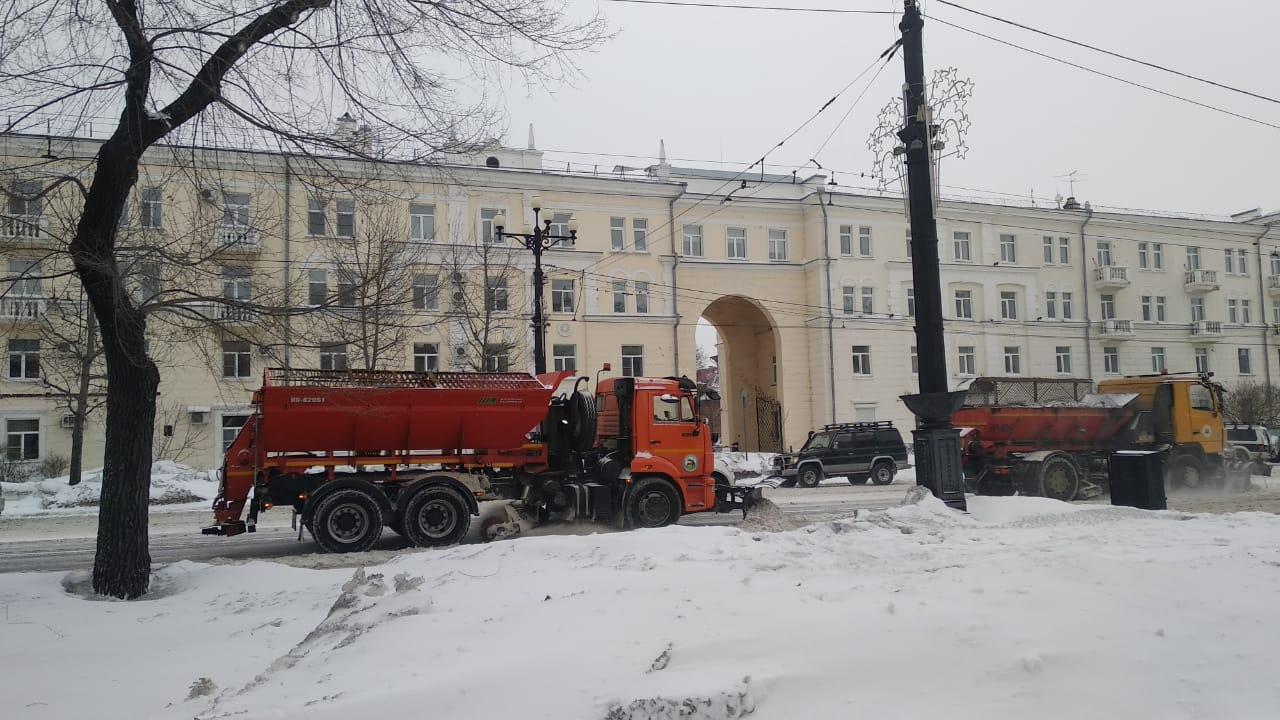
(536,238)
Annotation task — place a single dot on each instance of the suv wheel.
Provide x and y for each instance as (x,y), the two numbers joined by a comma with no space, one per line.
(882,473)
(809,476)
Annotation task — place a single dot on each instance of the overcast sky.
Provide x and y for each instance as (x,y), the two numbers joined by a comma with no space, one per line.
(721,84)
(727,84)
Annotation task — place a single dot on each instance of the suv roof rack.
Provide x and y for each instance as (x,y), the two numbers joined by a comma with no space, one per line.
(870,425)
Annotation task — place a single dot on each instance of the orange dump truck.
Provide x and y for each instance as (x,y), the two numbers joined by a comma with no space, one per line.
(352,452)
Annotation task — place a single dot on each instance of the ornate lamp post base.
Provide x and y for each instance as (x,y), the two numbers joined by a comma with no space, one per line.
(937,446)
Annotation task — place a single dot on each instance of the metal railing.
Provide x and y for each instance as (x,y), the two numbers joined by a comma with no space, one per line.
(991,391)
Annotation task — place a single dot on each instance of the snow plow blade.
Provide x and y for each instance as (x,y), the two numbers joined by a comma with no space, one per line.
(733,497)
(228,529)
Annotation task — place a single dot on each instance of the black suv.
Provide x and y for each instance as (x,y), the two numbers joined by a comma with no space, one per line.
(858,451)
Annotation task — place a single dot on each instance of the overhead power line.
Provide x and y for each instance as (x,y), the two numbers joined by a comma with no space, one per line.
(769,8)
(1112,53)
(1105,74)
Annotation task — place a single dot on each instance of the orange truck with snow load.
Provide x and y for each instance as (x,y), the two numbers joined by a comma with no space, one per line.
(352,452)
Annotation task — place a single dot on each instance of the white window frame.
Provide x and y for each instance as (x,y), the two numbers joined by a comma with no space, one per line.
(1157,256)
(1244,360)
(1051,304)
(317,278)
(849,299)
(237,357)
(335,355)
(619,288)
(1193,257)
(28,361)
(861,355)
(488,236)
(846,242)
(640,234)
(344,218)
(562,296)
(962,246)
(1144,260)
(868,301)
(1008,248)
(562,360)
(1202,360)
(735,244)
(633,361)
(967,360)
(1008,305)
(617,234)
(1064,251)
(426,357)
(1062,358)
(778,245)
(1159,361)
(22,434)
(964,305)
(692,241)
(866,248)
(151,208)
(422,222)
(426,292)
(1012,360)
(495,295)
(1105,256)
(642,297)
(1111,360)
(1065,297)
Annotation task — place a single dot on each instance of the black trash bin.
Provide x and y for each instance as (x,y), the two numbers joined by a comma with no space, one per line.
(1137,478)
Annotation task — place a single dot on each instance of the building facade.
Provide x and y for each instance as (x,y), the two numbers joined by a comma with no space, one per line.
(250,260)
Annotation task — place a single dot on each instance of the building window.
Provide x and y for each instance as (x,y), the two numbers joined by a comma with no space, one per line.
(317,287)
(1063,355)
(964,304)
(24,359)
(693,240)
(1233,315)
(1242,262)
(619,296)
(560,227)
(231,425)
(333,356)
(864,241)
(496,295)
(915,361)
(846,241)
(1066,305)
(236,362)
(640,234)
(237,288)
(1008,249)
(487,234)
(497,358)
(1048,249)
(22,439)
(1229,261)
(908,243)
(1246,363)
(346,289)
(1111,360)
(966,360)
(1012,360)
(777,244)
(1202,360)
(737,243)
(1157,256)
(1161,315)
(960,245)
(1009,305)
(1064,251)
(1104,253)
(1143,260)
(1145,303)
(632,360)
(861,359)
(1050,304)
(617,234)
(422,222)
(911,302)
(868,300)
(235,209)
(150,210)
(426,292)
(1246,315)
(345,219)
(642,297)
(1157,359)
(315,217)
(1108,307)
(849,295)
(1193,257)
(562,296)
(24,201)
(426,357)
(1275,263)
(1197,309)
(564,357)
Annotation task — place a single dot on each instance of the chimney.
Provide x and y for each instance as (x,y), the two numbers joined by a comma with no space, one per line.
(1071,204)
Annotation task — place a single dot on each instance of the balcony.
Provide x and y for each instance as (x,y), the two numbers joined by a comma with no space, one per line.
(236,238)
(1110,277)
(1273,286)
(1200,281)
(22,308)
(1206,330)
(1116,329)
(234,315)
(21,227)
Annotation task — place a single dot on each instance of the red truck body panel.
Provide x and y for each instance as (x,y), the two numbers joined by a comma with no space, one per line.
(1014,429)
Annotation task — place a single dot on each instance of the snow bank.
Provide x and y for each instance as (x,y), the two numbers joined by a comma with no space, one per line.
(1024,608)
(171,484)
(748,465)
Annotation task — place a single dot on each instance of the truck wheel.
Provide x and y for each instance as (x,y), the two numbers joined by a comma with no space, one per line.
(652,503)
(882,473)
(809,476)
(346,520)
(436,515)
(1059,479)
(1185,472)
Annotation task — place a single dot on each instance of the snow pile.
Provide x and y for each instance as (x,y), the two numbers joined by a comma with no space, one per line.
(1022,608)
(171,484)
(748,465)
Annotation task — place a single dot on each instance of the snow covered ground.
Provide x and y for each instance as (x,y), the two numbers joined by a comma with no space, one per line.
(173,486)
(1025,608)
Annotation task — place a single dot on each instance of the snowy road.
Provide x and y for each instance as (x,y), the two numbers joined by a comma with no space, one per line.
(41,543)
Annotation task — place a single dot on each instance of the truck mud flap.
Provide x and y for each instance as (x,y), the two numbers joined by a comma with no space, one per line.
(733,497)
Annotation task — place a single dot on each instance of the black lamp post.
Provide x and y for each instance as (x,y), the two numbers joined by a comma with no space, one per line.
(536,238)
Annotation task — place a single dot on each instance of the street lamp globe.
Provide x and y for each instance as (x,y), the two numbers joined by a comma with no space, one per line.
(573,226)
(500,221)
(535,202)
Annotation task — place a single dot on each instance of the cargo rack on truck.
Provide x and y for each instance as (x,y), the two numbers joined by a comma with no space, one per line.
(868,425)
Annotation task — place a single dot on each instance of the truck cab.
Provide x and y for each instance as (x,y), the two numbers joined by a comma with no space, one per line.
(1183,411)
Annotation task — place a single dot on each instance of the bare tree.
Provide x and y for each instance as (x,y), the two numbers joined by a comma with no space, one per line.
(485,287)
(73,372)
(277,68)
(1250,402)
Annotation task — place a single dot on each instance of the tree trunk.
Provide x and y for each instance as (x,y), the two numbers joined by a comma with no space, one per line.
(81,413)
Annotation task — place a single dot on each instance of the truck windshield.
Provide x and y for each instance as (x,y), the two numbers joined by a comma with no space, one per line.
(1201,398)
(669,411)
